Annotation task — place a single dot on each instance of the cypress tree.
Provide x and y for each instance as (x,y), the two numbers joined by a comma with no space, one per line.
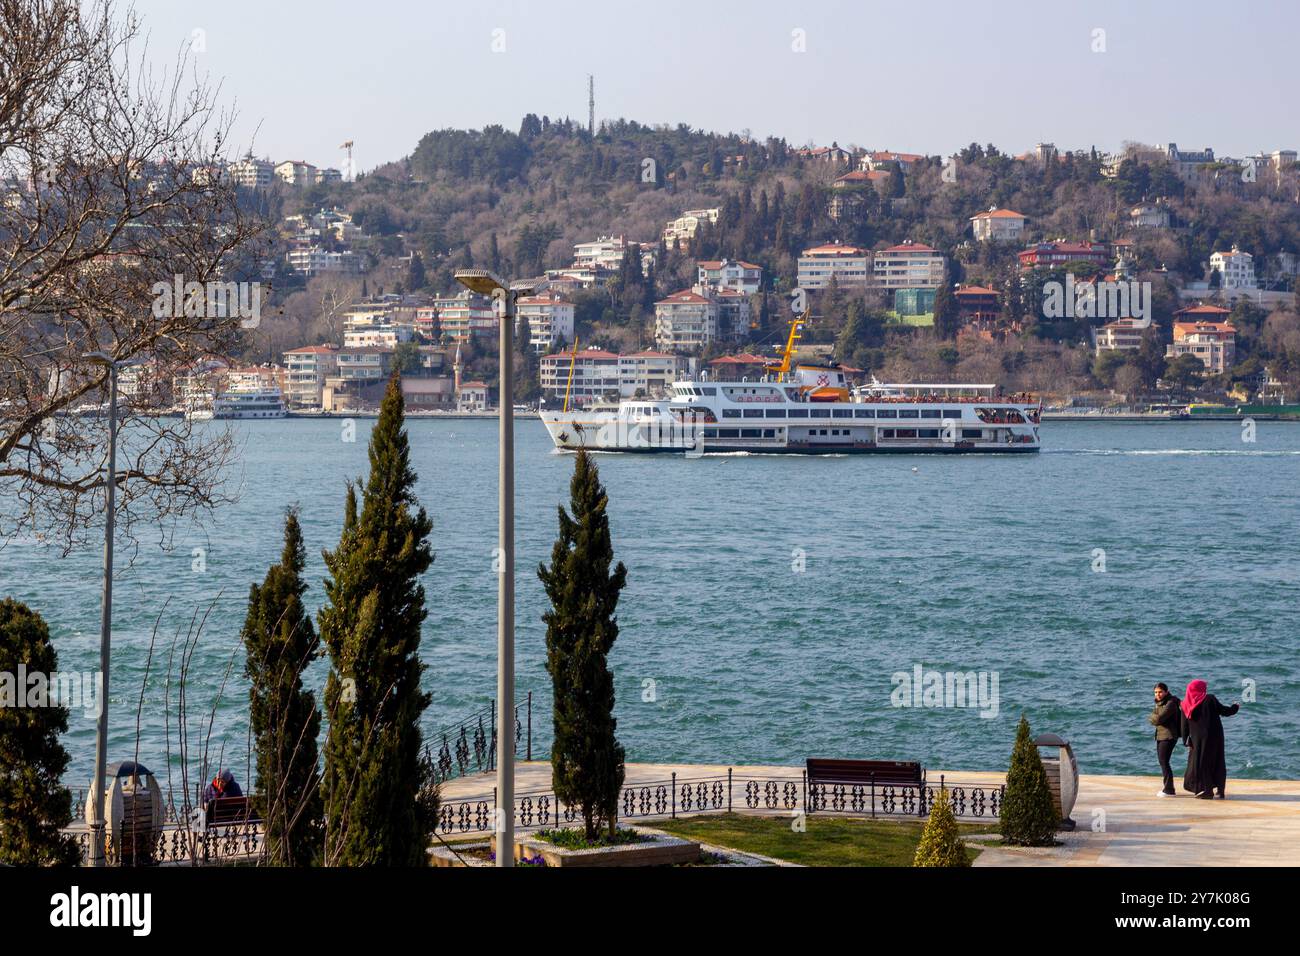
(34,806)
(940,841)
(280,643)
(376,783)
(581,627)
(1028,814)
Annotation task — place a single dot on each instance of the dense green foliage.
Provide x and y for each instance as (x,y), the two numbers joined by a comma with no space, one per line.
(376,786)
(1028,816)
(280,643)
(34,805)
(581,627)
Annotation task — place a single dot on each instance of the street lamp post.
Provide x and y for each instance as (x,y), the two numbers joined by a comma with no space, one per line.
(487,283)
(97,826)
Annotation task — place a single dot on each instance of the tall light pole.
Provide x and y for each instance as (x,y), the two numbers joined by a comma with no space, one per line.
(488,283)
(97,827)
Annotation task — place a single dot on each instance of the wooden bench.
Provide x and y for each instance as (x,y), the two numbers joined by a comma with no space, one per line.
(228,811)
(893,773)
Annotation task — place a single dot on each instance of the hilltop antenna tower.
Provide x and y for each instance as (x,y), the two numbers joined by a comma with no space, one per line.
(591,104)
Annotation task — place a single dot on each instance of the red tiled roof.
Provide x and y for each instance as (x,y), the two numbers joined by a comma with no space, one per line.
(976,290)
(683,297)
(312,348)
(833,249)
(1000,214)
(909,247)
(1203,310)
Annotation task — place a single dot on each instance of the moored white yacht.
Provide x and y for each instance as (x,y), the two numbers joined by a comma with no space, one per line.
(809,409)
(251,403)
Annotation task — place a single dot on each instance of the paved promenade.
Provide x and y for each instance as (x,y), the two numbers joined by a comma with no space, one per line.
(1121,821)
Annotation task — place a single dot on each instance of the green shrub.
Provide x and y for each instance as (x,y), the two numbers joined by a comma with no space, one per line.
(940,842)
(1028,814)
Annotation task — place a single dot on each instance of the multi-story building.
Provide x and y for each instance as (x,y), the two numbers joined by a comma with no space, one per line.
(849,192)
(1047,255)
(307,369)
(255,377)
(466,315)
(605,254)
(734,311)
(1187,163)
(976,303)
(252,173)
(832,155)
(296,172)
(1122,335)
(846,265)
(380,335)
(650,374)
(1236,269)
(550,320)
(885,160)
(586,376)
(329,175)
(684,227)
(1149,215)
(726,274)
(909,265)
(312,260)
(1201,331)
(686,320)
(473,397)
(998,225)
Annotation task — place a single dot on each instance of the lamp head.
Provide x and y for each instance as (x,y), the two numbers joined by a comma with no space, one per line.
(482,281)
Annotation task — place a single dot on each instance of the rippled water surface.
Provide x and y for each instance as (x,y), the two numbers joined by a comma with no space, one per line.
(965,563)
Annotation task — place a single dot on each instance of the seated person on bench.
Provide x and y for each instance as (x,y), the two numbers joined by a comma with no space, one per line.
(222,785)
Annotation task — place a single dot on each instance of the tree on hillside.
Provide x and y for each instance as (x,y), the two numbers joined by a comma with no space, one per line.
(1028,815)
(280,643)
(946,320)
(374,778)
(34,804)
(581,627)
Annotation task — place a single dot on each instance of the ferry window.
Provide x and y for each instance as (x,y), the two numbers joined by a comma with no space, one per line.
(710,433)
(751,433)
(843,413)
(731,413)
(753,413)
(769,432)
(711,390)
(887,433)
(952,413)
(886,413)
(863,413)
(971,433)
(906,433)
(797,413)
(929,433)
(819,412)
(908,413)
(775,413)
(728,433)
(931,413)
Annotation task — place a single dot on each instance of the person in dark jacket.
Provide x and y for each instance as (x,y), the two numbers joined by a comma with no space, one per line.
(222,785)
(1202,731)
(1167,720)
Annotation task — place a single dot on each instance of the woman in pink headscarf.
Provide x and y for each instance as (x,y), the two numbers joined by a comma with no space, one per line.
(1202,733)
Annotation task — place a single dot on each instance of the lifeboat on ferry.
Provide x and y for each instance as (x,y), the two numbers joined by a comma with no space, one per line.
(822,383)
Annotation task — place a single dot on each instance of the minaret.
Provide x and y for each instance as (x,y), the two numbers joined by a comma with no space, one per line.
(456,371)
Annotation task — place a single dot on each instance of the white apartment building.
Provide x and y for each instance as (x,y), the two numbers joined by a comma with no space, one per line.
(650,373)
(550,320)
(1214,343)
(599,375)
(687,224)
(686,321)
(1122,335)
(606,253)
(726,274)
(307,369)
(466,315)
(734,311)
(329,175)
(998,225)
(589,376)
(252,173)
(909,265)
(1236,269)
(1149,215)
(313,260)
(296,172)
(378,335)
(846,265)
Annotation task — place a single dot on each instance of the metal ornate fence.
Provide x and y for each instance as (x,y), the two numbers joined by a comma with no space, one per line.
(668,799)
(469,745)
(176,844)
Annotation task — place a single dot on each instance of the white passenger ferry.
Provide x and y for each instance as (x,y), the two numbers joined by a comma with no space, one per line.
(253,403)
(808,410)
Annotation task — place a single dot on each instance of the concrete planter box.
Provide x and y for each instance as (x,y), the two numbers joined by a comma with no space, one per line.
(659,849)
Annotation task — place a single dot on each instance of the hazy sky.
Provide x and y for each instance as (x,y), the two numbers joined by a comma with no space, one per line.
(925,77)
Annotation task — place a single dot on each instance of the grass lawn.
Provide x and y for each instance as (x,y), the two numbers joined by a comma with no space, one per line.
(828,841)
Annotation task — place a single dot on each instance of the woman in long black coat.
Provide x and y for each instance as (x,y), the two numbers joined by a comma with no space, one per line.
(1202,733)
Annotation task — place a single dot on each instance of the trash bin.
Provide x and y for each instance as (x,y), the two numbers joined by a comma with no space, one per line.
(134,812)
(1062,774)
